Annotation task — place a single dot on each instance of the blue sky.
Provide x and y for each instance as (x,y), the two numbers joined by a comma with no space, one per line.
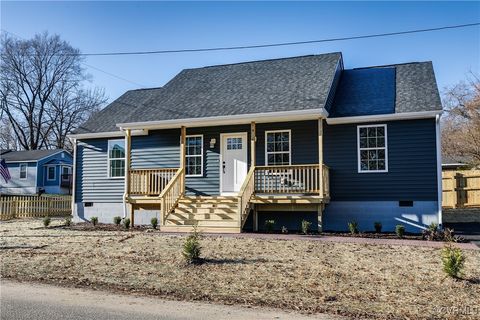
(134,26)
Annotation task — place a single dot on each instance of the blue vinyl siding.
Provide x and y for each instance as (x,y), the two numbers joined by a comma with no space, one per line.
(160,149)
(335,83)
(92,183)
(304,140)
(209,184)
(412,163)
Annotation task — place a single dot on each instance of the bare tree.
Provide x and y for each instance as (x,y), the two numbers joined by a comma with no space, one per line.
(71,105)
(461,124)
(39,79)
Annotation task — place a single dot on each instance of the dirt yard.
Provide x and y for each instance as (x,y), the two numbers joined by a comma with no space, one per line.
(357,280)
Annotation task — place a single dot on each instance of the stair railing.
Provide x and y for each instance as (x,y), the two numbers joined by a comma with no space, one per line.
(244,196)
(172,193)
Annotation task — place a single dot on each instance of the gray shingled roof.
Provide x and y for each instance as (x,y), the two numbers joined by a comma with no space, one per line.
(29,155)
(367,91)
(118,111)
(416,88)
(243,88)
(297,83)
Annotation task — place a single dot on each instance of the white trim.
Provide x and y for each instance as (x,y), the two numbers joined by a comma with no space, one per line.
(108,159)
(264,117)
(385,117)
(186,156)
(74,174)
(226,134)
(108,134)
(274,152)
(20,171)
(359,167)
(47,167)
(438,144)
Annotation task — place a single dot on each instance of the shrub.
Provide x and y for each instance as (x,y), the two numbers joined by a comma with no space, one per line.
(400,230)
(191,247)
(284,229)
(68,221)
(269,224)
(46,221)
(94,220)
(117,220)
(126,223)
(353,227)
(154,223)
(378,227)
(453,260)
(305,226)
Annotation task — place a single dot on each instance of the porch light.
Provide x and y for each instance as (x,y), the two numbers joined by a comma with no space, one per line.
(212,143)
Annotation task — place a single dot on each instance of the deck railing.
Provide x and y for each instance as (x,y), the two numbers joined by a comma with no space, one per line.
(304,179)
(246,192)
(172,193)
(150,182)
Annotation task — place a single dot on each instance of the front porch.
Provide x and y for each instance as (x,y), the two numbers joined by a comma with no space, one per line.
(263,186)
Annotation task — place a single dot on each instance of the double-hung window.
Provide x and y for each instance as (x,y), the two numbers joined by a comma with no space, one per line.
(372,148)
(194,156)
(23,171)
(116,158)
(278,147)
(51,174)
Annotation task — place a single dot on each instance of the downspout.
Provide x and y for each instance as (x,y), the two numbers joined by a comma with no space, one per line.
(74,173)
(439,169)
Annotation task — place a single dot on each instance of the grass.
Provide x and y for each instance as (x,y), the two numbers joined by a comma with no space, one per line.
(369,281)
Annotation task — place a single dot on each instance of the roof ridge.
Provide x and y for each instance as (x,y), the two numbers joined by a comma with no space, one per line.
(140,89)
(391,65)
(265,60)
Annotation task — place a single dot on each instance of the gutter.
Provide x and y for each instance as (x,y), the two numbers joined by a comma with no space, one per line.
(264,117)
(385,117)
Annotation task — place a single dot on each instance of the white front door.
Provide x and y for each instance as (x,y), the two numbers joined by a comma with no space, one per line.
(233,165)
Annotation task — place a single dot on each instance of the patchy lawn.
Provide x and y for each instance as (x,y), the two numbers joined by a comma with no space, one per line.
(358,280)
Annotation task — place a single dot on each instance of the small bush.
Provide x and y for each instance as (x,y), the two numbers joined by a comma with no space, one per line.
(191,247)
(154,223)
(453,261)
(284,229)
(378,227)
(94,221)
(126,223)
(305,226)
(46,221)
(400,230)
(269,225)
(117,220)
(68,221)
(353,227)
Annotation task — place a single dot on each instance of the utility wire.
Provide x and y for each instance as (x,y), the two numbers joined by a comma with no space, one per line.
(88,65)
(281,43)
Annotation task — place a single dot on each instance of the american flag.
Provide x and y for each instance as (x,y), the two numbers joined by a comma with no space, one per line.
(4,171)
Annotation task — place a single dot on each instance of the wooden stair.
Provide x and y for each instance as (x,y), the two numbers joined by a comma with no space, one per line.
(216,214)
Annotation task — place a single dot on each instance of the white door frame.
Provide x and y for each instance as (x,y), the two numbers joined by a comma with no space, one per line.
(244,134)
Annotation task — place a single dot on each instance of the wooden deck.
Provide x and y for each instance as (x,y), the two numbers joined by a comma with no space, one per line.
(283,188)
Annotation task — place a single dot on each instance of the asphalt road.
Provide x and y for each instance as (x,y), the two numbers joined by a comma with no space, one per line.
(28,301)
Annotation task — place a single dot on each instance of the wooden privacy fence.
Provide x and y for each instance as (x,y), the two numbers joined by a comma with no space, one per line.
(34,206)
(461,189)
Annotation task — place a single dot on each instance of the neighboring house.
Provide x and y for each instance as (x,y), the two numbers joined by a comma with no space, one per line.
(37,171)
(229,147)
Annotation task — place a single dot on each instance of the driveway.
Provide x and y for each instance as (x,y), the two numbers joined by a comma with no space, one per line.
(28,301)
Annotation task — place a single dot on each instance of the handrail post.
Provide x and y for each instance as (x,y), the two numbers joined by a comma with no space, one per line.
(183,133)
(320,155)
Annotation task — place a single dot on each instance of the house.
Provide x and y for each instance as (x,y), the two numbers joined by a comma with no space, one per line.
(37,171)
(457,163)
(228,147)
